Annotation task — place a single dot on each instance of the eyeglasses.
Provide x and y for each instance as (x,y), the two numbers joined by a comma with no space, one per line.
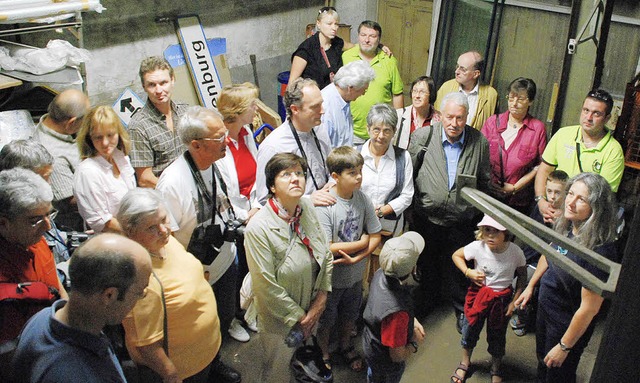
(517,99)
(385,132)
(419,92)
(157,228)
(464,70)
(218,140)
(326,9)
(286,176)
(39,220)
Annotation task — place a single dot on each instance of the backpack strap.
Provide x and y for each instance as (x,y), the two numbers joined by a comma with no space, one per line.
(421,153)
(397,190)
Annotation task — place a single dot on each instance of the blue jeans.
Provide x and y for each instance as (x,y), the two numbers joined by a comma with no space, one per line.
(496,337)
(384,376)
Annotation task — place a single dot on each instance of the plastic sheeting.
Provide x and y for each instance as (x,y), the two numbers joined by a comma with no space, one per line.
(12,11)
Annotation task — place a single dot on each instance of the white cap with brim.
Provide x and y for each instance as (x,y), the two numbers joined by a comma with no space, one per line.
(400,254)
(488,221)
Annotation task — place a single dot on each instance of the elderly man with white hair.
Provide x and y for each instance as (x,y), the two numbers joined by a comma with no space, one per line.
(25,215)
(200,211)
(350,82)
(441,153)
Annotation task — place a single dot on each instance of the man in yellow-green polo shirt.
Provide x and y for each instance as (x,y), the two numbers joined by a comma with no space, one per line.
(588,147)
(387,87)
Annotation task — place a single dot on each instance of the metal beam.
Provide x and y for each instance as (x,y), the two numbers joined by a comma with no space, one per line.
(538,236)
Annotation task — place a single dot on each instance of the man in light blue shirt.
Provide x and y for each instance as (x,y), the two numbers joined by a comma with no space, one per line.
(452,152)
(350,82)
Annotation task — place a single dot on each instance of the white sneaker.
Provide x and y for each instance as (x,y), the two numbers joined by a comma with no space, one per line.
(253,325)
(238,332)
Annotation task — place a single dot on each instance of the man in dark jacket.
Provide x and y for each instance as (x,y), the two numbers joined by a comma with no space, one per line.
(440,153)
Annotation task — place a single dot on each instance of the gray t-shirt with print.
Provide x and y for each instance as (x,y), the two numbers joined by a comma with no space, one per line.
(345,221)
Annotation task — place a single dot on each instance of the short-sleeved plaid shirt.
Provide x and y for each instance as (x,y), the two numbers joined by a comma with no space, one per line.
(152,143)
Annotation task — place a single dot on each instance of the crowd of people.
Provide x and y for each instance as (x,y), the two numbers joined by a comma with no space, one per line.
(345,213)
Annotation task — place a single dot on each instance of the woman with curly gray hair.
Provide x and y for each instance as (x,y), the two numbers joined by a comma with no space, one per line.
(567,308)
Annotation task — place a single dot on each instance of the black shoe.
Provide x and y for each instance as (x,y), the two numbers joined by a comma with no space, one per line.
(459,322)
(220,372)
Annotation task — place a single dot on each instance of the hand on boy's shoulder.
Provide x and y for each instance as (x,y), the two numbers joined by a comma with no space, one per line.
(322,197)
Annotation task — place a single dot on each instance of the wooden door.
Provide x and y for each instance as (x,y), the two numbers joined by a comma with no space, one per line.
(406,29)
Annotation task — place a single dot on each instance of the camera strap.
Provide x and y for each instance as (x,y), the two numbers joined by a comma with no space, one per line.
(223,186)
(304,155)
(202,189)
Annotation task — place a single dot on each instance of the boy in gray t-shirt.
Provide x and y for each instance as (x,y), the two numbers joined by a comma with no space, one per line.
(353,230)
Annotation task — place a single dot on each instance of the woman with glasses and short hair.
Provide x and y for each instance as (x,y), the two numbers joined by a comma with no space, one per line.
(387,173)
(105,174)
(419,114)
(289,261)
(516,143)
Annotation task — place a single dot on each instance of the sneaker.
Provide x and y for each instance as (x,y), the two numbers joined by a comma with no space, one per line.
(238,332)
(223,373)
(253,325)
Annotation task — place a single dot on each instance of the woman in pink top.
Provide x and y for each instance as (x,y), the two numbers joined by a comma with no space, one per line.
(516,143)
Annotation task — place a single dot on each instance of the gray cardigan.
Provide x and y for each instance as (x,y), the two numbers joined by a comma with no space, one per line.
(432,197)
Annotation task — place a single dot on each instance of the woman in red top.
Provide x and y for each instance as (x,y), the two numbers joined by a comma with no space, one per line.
(516,143)
(237,104)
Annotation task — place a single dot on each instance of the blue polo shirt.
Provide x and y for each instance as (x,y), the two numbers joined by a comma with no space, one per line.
(50,351)
(452,154)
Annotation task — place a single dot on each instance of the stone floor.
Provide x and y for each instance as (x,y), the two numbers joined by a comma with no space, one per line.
(434,361)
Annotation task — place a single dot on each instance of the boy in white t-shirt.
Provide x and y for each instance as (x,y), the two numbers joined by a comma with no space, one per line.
(497,260)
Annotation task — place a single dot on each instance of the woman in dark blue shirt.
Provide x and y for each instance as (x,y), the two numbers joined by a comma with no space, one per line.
(566,308)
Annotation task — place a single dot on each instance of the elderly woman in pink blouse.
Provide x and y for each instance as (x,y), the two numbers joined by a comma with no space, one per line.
(516,142)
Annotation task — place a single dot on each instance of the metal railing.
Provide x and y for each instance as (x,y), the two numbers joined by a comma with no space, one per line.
(538,236)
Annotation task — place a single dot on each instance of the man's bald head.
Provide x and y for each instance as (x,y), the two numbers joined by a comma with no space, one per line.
(108,260)
(68,106)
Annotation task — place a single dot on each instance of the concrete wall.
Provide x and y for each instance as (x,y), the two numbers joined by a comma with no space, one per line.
(126,32)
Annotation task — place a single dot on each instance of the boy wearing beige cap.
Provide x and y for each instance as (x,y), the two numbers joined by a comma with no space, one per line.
(391,333)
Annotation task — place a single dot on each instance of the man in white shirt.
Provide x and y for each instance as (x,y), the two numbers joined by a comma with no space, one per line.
(300,135)
(181,184)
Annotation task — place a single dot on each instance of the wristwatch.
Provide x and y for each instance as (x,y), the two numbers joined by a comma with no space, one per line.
(379,213)
(538,198)
(564,347)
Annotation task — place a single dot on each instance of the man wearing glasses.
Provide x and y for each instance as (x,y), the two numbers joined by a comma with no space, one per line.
(588,147)
(482,98)
(195,195)
(56,132)
(25,215)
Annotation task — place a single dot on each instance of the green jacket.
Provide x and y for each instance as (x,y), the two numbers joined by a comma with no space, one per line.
(432,197)
(282,271)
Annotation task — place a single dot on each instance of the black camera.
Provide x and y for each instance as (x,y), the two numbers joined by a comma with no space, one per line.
(233,230)
(75,239)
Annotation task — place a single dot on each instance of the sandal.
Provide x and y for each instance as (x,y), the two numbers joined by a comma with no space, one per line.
(353,359)
(496,374)
(455,378)
(327,363)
